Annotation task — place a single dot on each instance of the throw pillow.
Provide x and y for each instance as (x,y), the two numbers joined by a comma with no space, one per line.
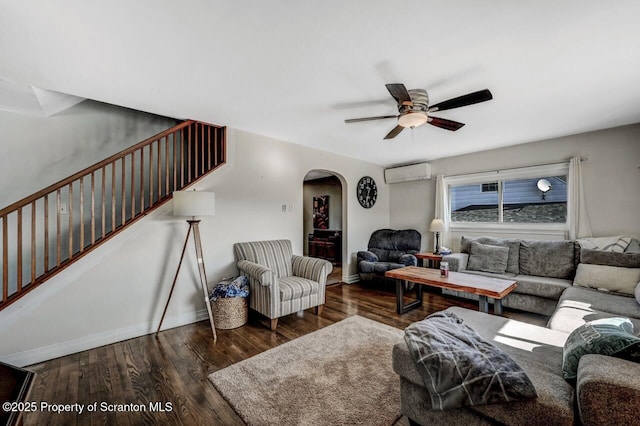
(599,257)
(616,244)
(461,368)
(486,258)
(513,262)
(638,293)
(547,258)
(608,278)
(608,336)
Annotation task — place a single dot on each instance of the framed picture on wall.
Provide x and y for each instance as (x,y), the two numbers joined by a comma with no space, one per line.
(321,212)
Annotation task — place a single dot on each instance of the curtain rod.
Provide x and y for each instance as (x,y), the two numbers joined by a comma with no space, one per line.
(516,168)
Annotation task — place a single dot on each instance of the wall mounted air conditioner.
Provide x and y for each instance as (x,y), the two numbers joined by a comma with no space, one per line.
(420,171)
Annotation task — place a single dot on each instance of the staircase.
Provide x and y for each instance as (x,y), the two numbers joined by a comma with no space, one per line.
(50,230)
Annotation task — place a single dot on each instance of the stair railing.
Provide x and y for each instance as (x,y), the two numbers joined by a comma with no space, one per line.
(48,231)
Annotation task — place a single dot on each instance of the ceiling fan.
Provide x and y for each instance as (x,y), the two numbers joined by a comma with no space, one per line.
(414,109)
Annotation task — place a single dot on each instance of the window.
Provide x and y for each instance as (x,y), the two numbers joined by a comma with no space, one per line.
(532,195)
(490,187)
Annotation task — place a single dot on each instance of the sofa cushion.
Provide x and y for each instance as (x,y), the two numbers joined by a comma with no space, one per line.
(550,288)
(637,293)
(539,354)
(607,278)
(296,287)
(378,267)
(488,258)
(579,305)
(608,336)
(547,258)
(599,257)
(513,246)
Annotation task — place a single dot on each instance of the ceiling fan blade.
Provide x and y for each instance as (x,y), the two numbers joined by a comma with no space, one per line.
(395,132)
(399,93)
(444,123)
(357,120)
(464,100)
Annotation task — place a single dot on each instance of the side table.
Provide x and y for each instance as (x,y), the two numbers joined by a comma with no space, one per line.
(433,259)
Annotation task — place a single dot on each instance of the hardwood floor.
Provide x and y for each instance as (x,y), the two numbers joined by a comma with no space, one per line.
(172,369)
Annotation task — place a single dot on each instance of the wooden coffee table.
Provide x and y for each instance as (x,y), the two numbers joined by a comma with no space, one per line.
(484,287)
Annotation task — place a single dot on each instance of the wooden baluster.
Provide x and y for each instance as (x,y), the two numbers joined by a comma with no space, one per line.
(159,169)
(190,140)
(46,233)
(103,201)
(223,144)
(5,259)
(81,208)
(194,142)
(208,148)
(113,197)
(141,180)
(123,191)
(150,175)
(93,208)
(166,166)
(70,231)
(19,254)
(58,232)
(215,144)
(175,155)
(182,162)
(33,242)
(133,185)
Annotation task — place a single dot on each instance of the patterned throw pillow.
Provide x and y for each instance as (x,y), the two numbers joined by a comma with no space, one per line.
(608,336)
(617,244)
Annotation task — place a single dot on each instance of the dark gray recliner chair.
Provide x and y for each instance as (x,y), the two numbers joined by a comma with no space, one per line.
(388,249)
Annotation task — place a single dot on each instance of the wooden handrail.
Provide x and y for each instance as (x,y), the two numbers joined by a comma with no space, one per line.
(122,189)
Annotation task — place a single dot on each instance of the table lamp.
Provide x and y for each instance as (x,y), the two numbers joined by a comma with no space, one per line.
(437,226)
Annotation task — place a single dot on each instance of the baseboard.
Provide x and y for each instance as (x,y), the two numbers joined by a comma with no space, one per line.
(68,347)
(350,279)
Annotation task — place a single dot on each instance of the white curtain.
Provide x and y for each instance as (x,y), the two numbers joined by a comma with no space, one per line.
(579,225)
(442,208)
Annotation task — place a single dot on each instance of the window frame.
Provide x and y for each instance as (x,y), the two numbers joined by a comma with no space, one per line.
(558,169)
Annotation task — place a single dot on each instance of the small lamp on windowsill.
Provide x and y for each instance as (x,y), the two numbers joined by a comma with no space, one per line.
(193,204)
(437,226)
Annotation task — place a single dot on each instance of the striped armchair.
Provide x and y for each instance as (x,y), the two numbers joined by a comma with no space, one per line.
(281,283)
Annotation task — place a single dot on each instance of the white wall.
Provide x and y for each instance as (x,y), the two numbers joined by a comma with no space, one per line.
(611,175)
(118,291)
(39,151)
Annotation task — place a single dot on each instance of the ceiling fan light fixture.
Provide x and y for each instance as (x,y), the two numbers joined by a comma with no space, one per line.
(412,119)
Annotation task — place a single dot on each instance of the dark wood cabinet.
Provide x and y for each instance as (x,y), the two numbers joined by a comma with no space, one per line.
(326,244)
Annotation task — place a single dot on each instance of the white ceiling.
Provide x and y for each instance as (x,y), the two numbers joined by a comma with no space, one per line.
(294,70)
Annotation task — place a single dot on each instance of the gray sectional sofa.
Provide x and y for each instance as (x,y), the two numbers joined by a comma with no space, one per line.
(573,285)
(544,269)
(607,390)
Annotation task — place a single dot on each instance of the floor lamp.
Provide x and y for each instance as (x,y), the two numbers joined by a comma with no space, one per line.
(193,204)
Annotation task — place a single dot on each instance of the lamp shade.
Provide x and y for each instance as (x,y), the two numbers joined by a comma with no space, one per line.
(437,225)
(194,203)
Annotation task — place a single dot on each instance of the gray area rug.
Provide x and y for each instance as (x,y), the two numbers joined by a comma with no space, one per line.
(338,375)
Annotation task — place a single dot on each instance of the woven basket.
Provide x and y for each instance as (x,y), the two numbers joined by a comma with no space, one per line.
(230,312)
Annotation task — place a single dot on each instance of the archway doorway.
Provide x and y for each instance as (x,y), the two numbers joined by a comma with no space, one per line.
(324,227)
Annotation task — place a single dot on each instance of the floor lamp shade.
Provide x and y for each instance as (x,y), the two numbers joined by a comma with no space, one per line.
(194,203)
